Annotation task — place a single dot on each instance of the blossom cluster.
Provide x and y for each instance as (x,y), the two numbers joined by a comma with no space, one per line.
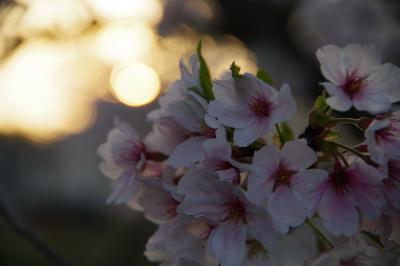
(229,183)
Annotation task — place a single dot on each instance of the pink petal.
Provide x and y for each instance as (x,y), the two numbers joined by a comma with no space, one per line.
(224,91)
(189,114)
(385,79)
(123,188)
(156,245)
(361,58)
(228,243)
(286,105)
(373,103)
(337,209)
(188,152)
(212,208)
(297,155)
(261,181)
(165,136)
(236,117)
(231,175)
(245,136)
(331,58)
(305,186)
(262,228)
(366,189)
(338,99)
(217,150)
(285,208)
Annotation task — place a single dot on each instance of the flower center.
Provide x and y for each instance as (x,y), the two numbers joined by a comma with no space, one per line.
(131,154)
(389,133)
(259,105)
(237,210)
(353,84)
(204,130)
(338,178)
(256,248)
(223,165)
(170,205)
(201,231)
(282,176)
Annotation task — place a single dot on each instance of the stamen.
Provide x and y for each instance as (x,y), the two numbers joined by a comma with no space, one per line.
(282,176)
(339,179)
(237,210)
(259,105)
(354,83)
(131,153)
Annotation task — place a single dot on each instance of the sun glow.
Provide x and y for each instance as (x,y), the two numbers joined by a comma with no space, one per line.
(135,84)
(38,97)
(123,41)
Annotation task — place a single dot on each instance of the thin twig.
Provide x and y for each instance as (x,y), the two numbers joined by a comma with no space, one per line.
(354,151)
(28,235)
(320,234)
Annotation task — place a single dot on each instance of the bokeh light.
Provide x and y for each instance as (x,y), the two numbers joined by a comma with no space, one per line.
(149,11)
(59,18)
(57,57)
(123,41)
(39,98)
(135,84)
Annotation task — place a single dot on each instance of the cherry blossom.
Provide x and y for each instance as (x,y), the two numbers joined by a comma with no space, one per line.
(158,197)
(344,193)
(251,106)
(124,157)
(391,189)
(237,218)
(223,193)
(219,159)
(190,114)
(383,138)
(181,124)
(358,78)
(279,180)
(182,241)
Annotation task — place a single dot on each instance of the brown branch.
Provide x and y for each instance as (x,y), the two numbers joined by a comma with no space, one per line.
(28,235)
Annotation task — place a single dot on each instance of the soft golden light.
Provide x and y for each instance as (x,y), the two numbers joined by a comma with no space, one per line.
(123,41)
(38,95)
(60,17)
(136,84)
(150,11)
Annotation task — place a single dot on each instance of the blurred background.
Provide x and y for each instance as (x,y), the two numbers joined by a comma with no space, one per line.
(68,67)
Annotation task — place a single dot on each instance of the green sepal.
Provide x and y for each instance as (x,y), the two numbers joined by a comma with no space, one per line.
(328,149)
(332,135)
(235,70)
(197,91)
(320,104)
(321,113)
(287,133)
(283,134)
(205,77)
(264,76)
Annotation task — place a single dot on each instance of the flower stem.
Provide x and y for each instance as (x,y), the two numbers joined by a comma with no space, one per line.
(374,238)
(28,235)
(278,131)
(340,155)
(320,234)
(355,152)
(349,121)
